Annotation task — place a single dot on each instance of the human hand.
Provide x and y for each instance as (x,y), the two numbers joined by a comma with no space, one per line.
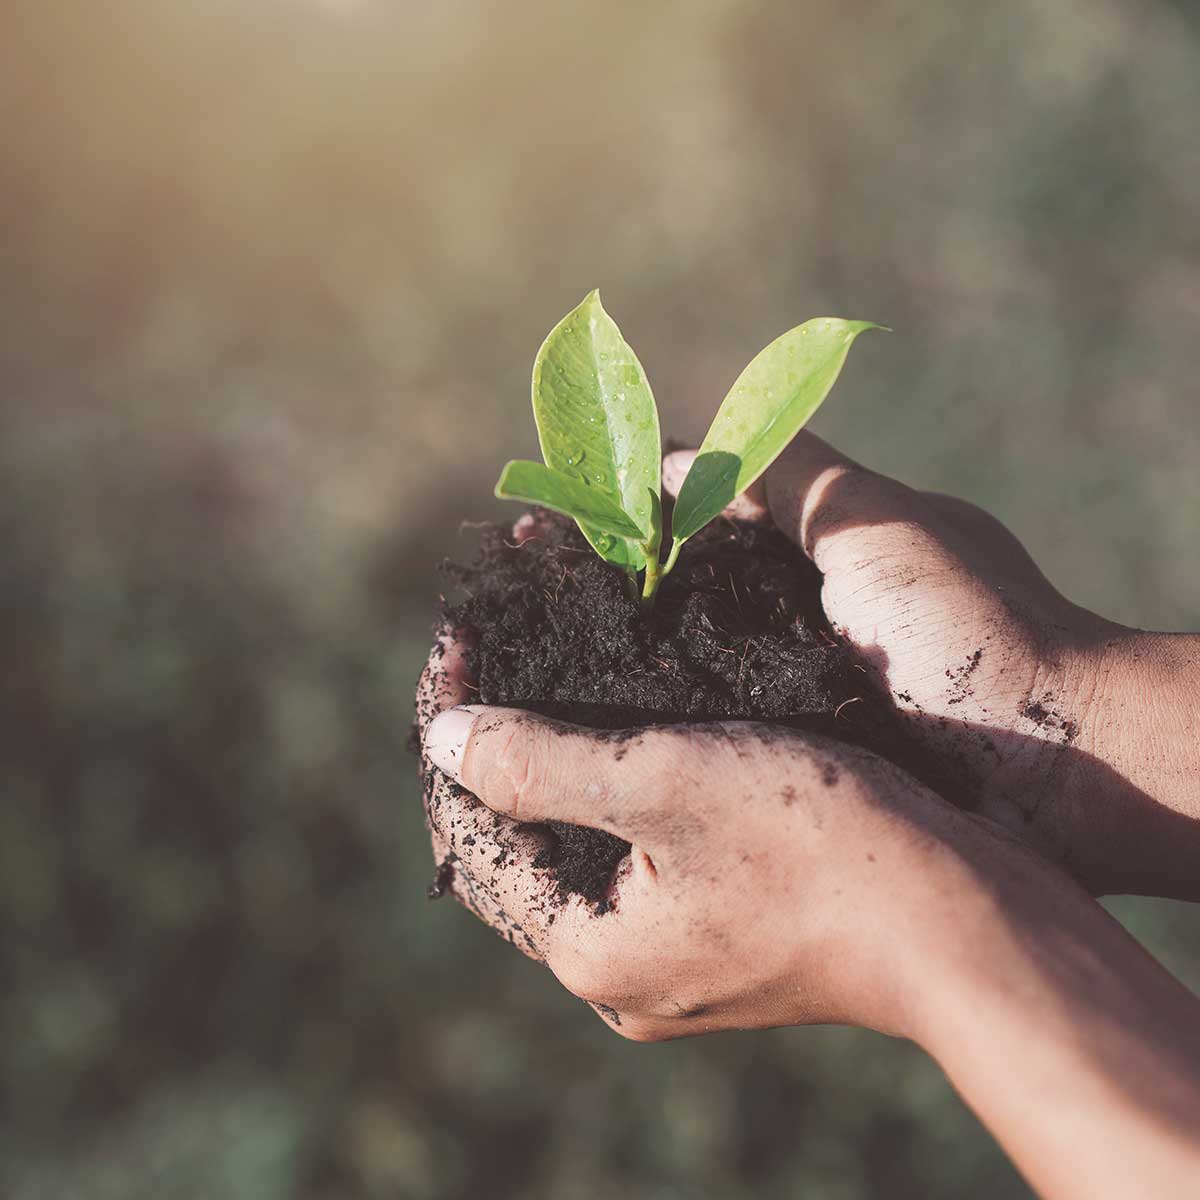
(779,878)
(1033,703)
(774,878)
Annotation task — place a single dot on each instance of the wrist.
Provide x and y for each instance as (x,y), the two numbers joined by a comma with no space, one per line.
(972,892)
(1144,709)
(1104,762)
(1142,796)
(1035,1001)
(997,912)
(960,886)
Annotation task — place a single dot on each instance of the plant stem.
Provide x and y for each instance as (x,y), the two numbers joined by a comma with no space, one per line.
(650,585)
(652,547)
(656,572)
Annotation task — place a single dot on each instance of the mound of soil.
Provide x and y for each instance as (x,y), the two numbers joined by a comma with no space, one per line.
(737,633)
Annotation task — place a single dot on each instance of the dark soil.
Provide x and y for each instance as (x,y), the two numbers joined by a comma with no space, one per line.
(737,633)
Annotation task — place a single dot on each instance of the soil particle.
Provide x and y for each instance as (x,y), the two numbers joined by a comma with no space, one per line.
(960,678)
(737,634)
(442,878)
(1045,716)
(583,862)
(605,1011)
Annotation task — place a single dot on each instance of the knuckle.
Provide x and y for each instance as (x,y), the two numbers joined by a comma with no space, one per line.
(662,755)
(849,497)
(860,485)
(514,770)
(600,976)
(673,751)
(582,975)
(639,1029)
(670,764)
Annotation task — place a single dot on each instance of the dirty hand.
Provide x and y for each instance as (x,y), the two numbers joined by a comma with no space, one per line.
(772,880)
(1073,732)
(778,878)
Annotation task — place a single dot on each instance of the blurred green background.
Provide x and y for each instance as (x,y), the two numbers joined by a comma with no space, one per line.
(272,275)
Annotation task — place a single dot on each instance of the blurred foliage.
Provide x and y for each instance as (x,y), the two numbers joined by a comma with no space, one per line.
(272,275)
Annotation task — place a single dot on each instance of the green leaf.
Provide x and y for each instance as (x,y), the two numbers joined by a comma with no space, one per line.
(597,419)
(536,484)
(654,542)
(767,406)
(626,553)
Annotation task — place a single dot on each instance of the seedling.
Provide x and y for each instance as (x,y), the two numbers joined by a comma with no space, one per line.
(598,428)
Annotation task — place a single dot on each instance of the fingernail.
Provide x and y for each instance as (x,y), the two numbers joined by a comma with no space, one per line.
(446,739)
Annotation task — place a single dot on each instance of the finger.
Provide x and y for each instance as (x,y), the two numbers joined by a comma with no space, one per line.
(491,865)
(821,499)
(657,788)
(444,682)
(504,871)
(487,862)
(529,527)
(466,844)
(675,467)
(633,783)
(532,768)
(976,532)
(751,505)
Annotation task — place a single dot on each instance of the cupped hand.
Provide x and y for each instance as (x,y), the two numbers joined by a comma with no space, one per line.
(768,874)
(469,841)
(1008,683)
(772,878)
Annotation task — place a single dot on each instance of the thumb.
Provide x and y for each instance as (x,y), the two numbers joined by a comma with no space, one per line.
(819,497)
(750,505)
(532,768)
